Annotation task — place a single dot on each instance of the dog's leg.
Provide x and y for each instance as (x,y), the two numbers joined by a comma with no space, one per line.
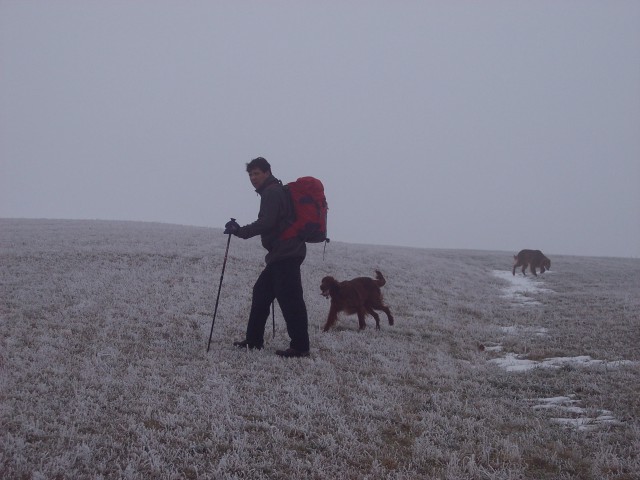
(331,319)
(386,310)
(361,315)
(376,317)
(532,269)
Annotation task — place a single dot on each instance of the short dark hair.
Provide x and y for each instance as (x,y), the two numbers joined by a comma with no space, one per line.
(260,163)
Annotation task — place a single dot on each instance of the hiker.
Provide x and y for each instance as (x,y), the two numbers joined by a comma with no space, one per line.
(281,277)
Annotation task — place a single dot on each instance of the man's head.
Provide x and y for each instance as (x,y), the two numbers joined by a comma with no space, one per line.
(260,163)
(259,170)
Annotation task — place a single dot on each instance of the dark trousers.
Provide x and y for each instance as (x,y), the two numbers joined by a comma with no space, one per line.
(281,281)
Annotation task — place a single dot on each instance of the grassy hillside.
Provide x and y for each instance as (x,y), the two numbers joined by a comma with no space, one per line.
(104,371)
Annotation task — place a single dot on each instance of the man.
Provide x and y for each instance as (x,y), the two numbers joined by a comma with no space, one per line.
(281,277)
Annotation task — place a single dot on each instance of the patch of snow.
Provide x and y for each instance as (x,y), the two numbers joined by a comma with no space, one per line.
(513,330)
(587,423)
(516,363)
(521,288)
(579,417)
(555,401)
(513,363)
(495,348)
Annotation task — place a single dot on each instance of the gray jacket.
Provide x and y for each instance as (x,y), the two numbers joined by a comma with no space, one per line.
(274,216)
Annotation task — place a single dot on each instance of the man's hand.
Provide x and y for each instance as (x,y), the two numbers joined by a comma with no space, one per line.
(231,227)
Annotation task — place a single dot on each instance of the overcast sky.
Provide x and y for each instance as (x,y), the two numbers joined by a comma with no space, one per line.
(493,125)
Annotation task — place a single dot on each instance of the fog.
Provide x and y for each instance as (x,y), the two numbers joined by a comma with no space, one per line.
(472,125)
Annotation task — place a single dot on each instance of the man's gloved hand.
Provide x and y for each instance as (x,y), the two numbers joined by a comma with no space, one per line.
(231,227)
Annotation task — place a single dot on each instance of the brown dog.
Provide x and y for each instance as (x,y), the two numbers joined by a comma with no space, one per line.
(361,295)
(532,259)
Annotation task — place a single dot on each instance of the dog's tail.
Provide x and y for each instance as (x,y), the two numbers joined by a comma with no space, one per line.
(380,279)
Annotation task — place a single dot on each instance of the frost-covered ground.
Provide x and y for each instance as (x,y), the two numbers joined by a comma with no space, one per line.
(104,371)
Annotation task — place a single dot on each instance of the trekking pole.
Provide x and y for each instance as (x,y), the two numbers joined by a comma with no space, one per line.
(325,247)
(215,310)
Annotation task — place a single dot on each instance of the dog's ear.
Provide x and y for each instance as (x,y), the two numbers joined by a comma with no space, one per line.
(329,284)
(334,286)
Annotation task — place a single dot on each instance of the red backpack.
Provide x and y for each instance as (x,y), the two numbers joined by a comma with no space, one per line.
(310,211)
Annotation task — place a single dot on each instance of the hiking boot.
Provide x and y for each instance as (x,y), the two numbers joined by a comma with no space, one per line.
(292,353)
(247,344)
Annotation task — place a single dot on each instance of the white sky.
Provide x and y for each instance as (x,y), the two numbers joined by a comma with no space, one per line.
(492,125)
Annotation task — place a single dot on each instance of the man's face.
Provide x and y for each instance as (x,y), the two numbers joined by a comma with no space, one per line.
(258,177)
